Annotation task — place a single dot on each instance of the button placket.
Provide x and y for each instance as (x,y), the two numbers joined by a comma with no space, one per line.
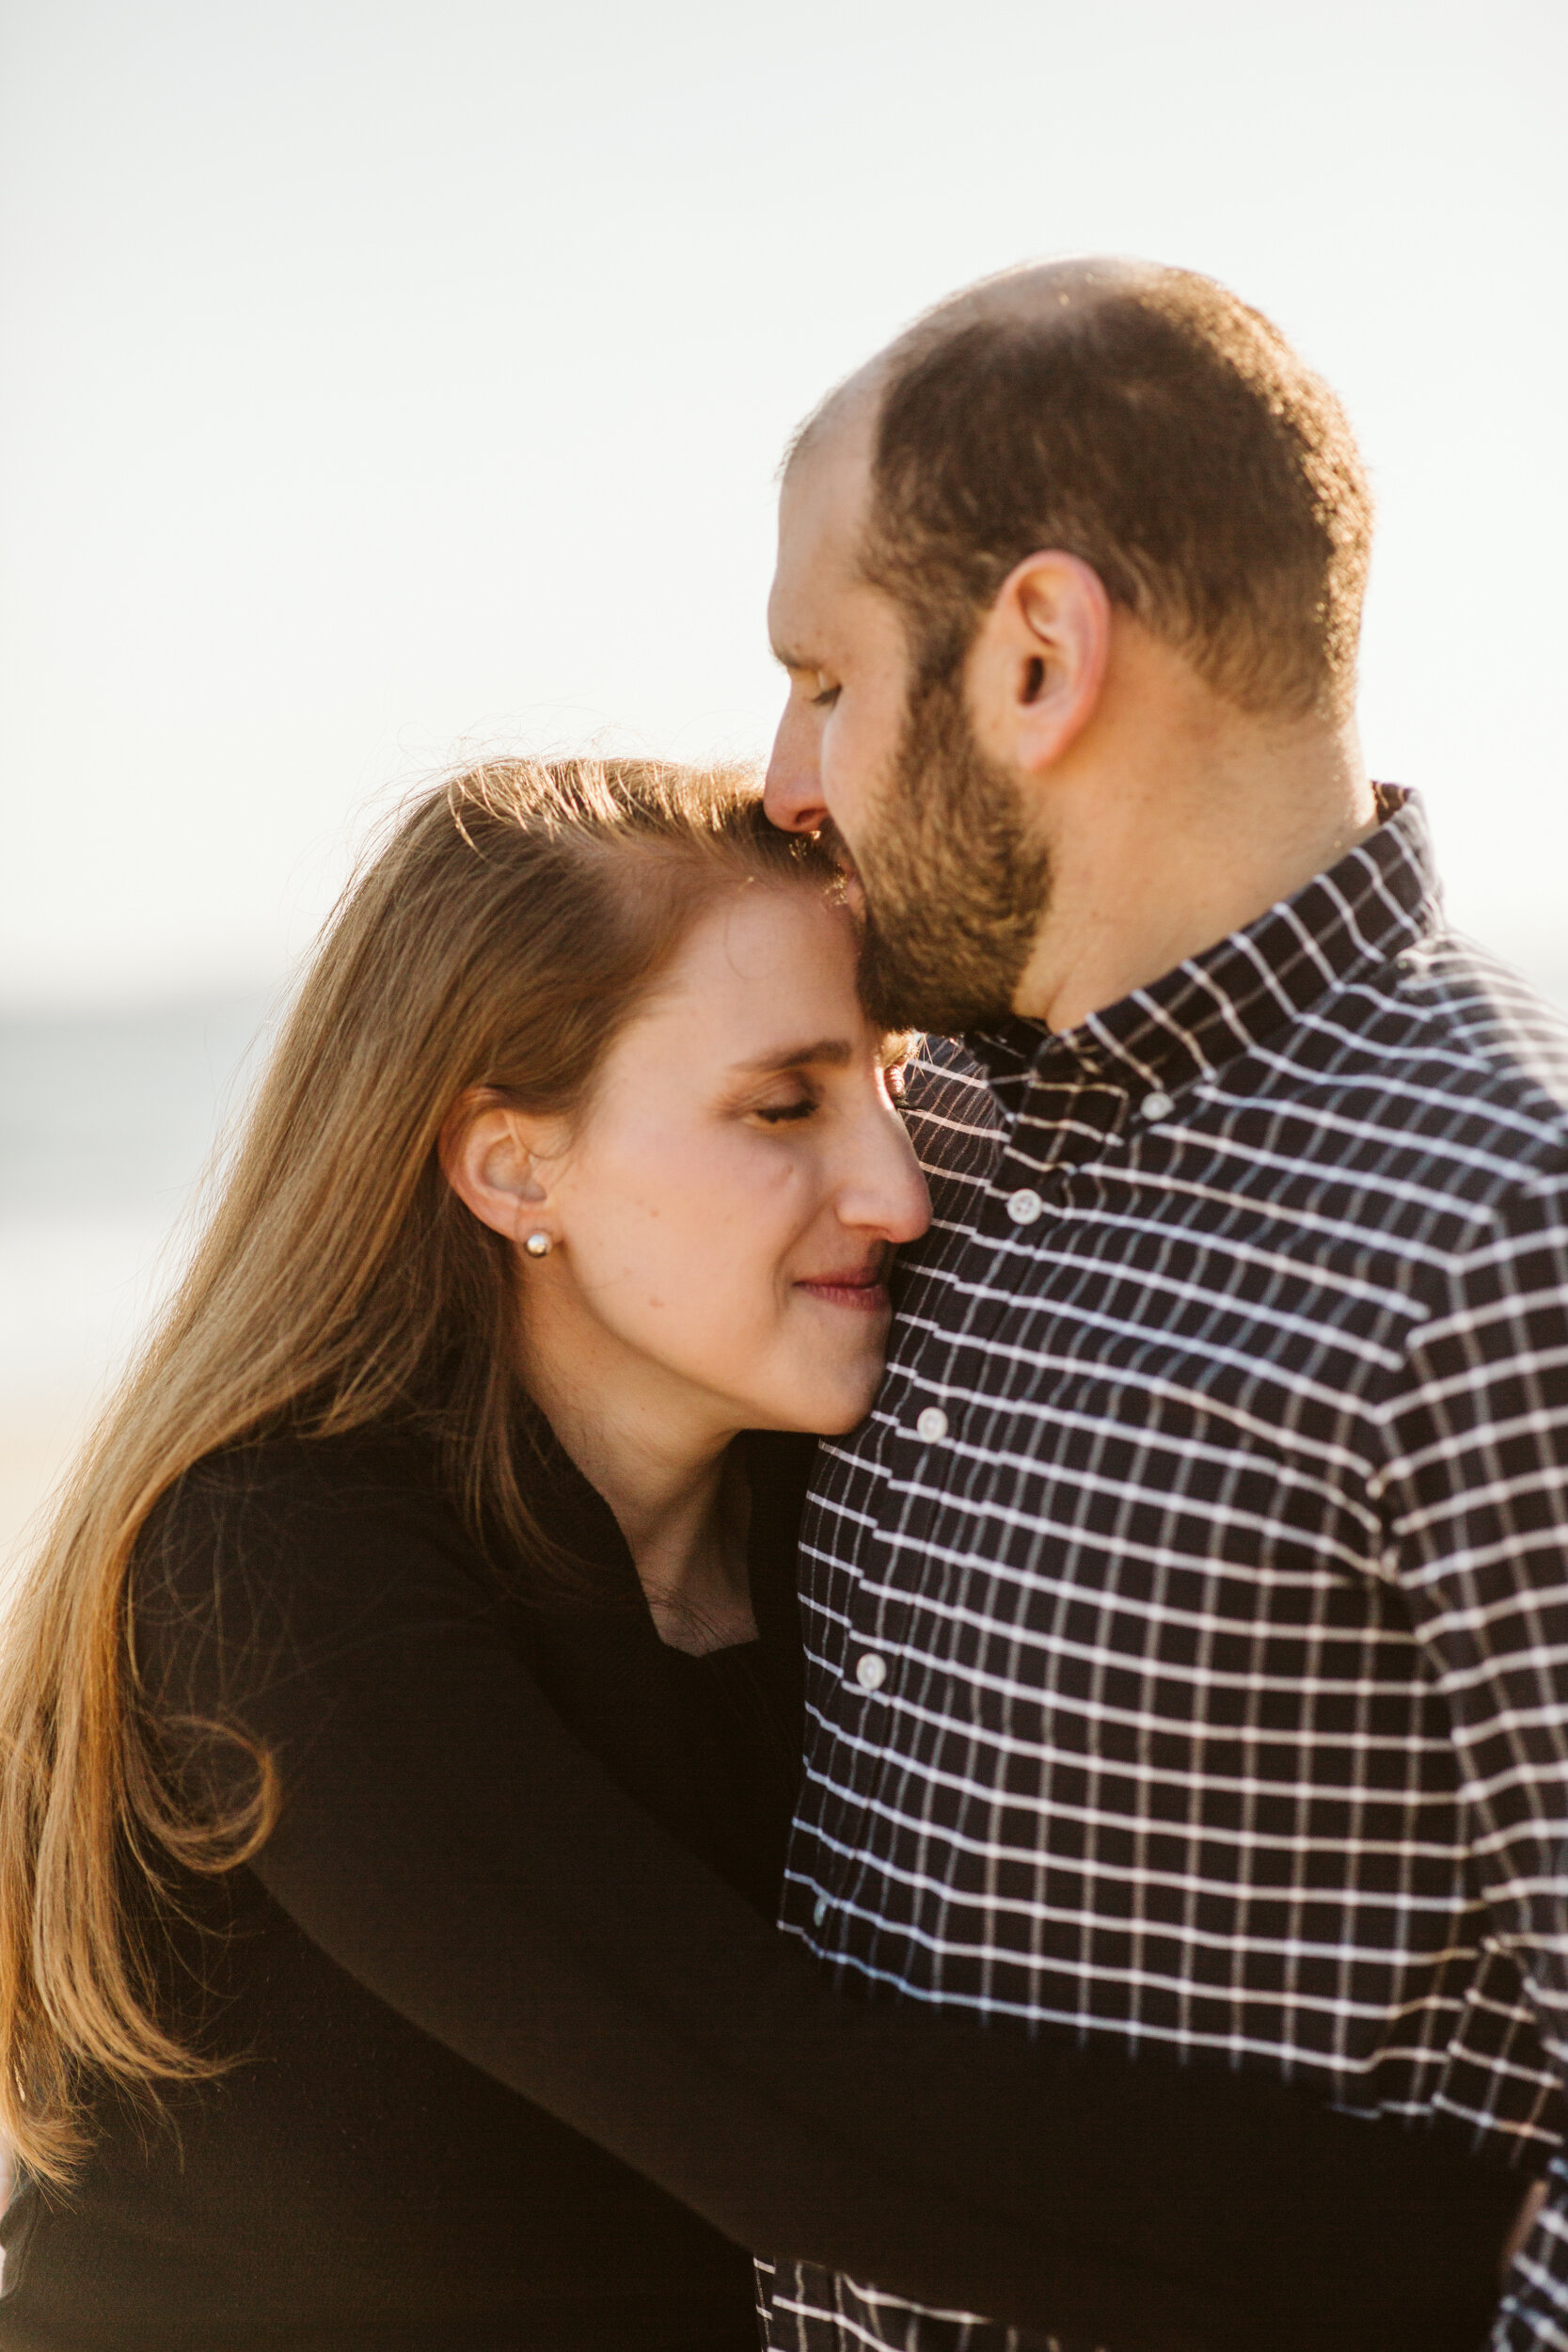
(879,1612)
(875,1620)
(1064,1125)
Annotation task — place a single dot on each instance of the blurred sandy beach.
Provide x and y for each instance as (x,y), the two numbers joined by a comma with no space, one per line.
(106,1123)
(33,1452)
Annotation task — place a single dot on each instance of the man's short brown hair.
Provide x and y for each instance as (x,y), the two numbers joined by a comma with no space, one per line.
(1149,423)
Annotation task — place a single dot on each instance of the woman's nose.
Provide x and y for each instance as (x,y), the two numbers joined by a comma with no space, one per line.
(884,1192)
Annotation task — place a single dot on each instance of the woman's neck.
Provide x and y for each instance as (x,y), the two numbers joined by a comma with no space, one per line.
(676,1494)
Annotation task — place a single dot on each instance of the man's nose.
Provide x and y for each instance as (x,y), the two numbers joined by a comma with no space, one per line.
(793,794)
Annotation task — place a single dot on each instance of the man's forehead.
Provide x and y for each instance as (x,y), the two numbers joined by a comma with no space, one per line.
(821,513)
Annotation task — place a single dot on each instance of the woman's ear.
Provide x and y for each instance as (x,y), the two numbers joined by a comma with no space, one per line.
(1038,665)
(492,1155)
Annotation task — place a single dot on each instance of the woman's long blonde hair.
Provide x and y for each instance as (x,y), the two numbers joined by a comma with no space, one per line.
(500,939)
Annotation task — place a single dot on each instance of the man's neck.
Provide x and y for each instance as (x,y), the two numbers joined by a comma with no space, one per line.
(1178,833)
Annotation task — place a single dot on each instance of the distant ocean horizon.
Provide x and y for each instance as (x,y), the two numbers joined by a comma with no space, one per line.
(108,1120)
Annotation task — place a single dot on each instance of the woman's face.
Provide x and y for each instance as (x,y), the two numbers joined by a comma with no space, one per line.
(725,1209)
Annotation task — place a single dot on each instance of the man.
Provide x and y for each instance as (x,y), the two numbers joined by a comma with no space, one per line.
(1188,1622)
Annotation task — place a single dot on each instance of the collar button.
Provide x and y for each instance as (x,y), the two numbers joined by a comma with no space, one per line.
(1025,1207)
(1156,1105)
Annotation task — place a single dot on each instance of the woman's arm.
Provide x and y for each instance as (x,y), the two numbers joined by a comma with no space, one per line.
(447,1842)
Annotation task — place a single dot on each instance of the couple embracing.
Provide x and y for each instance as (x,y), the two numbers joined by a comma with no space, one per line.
(969,1360)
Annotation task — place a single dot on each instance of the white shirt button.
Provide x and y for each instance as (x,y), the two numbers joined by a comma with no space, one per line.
(819,1911)
(1156,1105)
(1025,1206)
(871,1671)
(932,1423)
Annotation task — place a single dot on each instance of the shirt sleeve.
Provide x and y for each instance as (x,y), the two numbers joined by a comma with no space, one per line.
(448,1843)
(1477,1504)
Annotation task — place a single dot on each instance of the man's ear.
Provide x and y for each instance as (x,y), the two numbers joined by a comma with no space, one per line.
(495,1157)
(1036,668)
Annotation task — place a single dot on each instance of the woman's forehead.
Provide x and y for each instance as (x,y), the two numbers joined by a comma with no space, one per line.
(763,974)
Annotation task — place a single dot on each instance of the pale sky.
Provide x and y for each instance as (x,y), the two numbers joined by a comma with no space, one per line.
(390,380)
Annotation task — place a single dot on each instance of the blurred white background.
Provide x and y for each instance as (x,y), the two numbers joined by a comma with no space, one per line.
(390,381)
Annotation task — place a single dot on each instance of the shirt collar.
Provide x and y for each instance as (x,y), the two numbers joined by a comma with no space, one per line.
(1380,899)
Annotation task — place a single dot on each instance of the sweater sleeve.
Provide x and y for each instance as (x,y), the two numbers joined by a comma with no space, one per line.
(449,1844)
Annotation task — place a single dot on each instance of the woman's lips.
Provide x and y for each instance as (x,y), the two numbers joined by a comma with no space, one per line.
(862,1297)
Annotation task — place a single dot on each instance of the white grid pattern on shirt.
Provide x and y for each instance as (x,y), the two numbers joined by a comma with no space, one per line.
(1225,1628)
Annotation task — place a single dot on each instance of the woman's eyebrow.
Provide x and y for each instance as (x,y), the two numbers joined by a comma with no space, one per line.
(836,1050)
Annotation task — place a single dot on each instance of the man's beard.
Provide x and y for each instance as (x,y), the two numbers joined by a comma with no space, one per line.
(954,887)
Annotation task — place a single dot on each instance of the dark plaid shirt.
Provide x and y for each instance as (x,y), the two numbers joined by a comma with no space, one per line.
(1188,1624)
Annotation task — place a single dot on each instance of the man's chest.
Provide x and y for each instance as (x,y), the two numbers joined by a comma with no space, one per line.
(1101,1639)
(1107,1405)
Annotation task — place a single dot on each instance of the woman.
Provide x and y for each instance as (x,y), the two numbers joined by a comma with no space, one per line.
(399,1727)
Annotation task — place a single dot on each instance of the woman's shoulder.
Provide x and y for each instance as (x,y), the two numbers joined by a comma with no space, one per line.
(282,1481)
(298,1530)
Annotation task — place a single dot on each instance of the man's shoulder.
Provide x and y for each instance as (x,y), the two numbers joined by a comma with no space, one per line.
(1444,1068)
(1451,1051)
(1494,1015)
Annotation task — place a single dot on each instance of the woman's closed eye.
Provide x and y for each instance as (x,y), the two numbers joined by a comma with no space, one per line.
(780,1114)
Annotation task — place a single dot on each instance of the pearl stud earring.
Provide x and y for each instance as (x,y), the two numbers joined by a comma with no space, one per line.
(538,1245)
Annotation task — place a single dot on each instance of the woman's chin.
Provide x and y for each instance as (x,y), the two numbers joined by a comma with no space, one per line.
(826,1390)
(841,1405)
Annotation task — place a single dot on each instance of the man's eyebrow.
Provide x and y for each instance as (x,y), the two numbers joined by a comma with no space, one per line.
(788,659)
(836,1052)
